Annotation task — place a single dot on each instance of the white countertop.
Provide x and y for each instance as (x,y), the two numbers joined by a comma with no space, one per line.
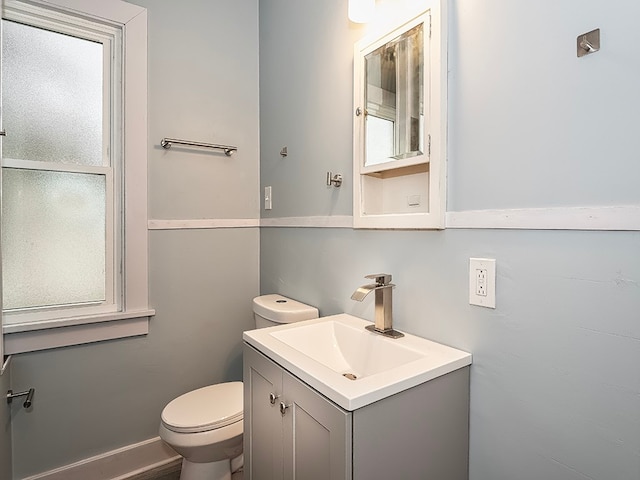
(426,359)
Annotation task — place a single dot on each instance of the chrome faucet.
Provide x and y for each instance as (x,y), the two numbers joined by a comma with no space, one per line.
(383,312)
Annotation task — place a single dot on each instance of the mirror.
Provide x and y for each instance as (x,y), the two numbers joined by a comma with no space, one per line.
(399,126)
(394,87)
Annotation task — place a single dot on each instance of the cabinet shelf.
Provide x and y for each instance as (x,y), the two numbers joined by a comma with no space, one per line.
(397,171)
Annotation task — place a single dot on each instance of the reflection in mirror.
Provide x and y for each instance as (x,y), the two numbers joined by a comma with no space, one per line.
(394,99)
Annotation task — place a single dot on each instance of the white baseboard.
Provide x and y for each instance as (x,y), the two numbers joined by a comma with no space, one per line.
(117,464)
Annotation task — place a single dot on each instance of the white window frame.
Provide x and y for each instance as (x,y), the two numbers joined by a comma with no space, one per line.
(109,37)
(128,315)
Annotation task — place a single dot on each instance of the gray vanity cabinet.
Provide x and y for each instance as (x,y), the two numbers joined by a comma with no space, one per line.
(421,433)
(291,431)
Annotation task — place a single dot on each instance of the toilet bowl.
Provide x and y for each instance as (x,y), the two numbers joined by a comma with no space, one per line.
(205,425)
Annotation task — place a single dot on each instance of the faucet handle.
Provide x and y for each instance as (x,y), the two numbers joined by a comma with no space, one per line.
(380,278)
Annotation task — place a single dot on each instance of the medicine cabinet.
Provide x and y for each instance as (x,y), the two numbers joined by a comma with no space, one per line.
(400,115)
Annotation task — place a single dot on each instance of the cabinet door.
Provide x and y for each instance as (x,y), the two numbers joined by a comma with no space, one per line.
(317,435)
(262,418)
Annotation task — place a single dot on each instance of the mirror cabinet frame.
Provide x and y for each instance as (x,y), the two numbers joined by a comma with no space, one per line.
(390,195)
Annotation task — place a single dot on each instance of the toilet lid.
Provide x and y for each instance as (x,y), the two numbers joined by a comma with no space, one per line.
(205,409)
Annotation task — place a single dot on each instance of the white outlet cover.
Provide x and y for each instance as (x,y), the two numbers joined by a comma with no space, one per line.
(489,265)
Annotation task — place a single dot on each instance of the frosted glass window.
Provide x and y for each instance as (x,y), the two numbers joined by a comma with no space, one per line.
(52,88)
(53,238)
(64,230)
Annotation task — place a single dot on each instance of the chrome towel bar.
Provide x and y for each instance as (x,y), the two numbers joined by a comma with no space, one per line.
(28,393)
(167,142)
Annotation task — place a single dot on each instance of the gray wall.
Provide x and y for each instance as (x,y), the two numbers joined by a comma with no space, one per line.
(555,385)
(5,428)
(203,70)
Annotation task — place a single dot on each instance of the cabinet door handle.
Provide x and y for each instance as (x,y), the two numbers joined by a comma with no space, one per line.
(283,408)
(273,397)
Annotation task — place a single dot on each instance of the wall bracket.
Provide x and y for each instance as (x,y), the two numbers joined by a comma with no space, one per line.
(334,179)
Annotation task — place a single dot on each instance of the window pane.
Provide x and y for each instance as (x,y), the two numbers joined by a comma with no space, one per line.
(52,96)
(53,238)
(379,137)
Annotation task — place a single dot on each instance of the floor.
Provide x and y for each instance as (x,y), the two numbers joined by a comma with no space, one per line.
(170,472)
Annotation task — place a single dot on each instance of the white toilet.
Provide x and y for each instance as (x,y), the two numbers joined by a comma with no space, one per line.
(205,425)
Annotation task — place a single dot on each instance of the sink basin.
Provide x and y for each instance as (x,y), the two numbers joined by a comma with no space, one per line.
(347,349)
(350,365)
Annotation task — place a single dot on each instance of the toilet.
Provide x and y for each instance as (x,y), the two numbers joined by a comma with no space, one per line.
(205,425)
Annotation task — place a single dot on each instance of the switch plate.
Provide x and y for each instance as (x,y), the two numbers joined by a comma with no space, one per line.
(482,282)
(267,198)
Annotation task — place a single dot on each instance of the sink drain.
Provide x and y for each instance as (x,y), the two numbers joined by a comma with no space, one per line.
(350,376)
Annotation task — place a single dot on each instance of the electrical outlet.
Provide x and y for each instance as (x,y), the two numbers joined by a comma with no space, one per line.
(482,282)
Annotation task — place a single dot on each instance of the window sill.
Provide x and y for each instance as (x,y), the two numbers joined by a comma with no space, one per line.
(30,337)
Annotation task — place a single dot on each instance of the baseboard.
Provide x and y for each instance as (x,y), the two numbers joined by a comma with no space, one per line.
(120,464)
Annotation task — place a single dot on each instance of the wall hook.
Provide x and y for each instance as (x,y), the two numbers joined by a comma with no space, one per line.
(283,152)
(588,42)
(586,45)
(335,180)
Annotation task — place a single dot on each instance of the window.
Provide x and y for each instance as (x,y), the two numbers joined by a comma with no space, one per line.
(61,178)
(74,243)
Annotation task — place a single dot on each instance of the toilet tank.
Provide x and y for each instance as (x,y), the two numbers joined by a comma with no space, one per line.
(274,309)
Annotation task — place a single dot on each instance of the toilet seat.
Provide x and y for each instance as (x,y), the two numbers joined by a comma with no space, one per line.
(204,409)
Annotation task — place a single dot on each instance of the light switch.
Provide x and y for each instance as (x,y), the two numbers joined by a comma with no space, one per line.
(267,198)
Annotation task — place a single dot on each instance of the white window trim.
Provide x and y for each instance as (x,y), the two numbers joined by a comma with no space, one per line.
(133,319)
(109,35)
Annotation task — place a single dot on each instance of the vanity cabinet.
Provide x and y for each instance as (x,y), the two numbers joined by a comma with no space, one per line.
(419,433)
(291,431)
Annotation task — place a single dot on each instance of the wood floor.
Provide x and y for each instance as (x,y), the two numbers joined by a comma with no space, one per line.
(170,471)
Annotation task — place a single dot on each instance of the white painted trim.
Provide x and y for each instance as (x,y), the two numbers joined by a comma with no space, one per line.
(136,263)
(34,340)
(110,465)
(203,223)
(73,321)
(337,221)
(552,218)
(434,16)
(619,217)
(134,320)
(114,11)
